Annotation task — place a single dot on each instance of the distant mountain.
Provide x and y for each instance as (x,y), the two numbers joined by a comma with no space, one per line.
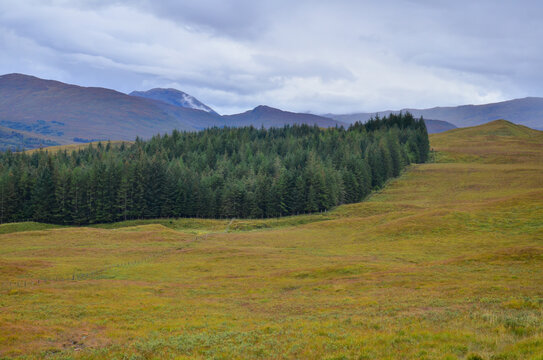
(433,126)
(174,97)
(34,111)
(437,126)
(526,111)
(270,117)
(260,116)
(73,113)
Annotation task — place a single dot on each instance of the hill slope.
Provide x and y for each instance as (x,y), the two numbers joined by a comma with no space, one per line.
(70,112)
(526,111)
(438,126)
(444,263)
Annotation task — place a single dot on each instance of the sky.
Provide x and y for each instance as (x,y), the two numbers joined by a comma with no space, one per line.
(306,56)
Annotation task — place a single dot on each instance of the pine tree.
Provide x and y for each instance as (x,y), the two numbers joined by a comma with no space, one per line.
(124,197)
(79,197)
(63,194)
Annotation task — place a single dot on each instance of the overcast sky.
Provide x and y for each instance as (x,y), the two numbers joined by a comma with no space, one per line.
(317,56)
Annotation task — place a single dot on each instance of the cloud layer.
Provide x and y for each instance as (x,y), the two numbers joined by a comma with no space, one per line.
(319,56)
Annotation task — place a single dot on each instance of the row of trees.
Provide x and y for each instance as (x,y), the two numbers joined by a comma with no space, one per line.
(215,173)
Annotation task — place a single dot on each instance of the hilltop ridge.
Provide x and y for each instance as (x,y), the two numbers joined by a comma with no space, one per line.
(267,116)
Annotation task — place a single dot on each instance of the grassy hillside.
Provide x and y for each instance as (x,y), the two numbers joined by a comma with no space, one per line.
(445,263)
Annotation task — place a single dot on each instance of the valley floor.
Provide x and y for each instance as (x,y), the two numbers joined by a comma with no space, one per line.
(445,263)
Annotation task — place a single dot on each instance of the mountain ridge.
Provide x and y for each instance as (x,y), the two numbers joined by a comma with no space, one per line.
(263,115)
(72,113)
(34,110)
(526,111)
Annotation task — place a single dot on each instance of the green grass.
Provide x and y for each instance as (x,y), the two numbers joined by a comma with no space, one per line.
(203,226)
(446,262)
(25,226)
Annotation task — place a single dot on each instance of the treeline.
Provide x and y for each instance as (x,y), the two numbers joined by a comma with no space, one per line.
(215,173)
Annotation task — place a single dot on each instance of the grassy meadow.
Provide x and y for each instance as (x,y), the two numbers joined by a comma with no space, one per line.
(445,262)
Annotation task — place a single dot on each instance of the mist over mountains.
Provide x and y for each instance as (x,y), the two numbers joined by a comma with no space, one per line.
(174,97)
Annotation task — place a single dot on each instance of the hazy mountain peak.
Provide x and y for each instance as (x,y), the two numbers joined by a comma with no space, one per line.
(267,116)
(264,107)
(174,97)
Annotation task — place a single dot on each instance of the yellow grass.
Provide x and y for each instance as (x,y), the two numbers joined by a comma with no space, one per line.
(75,147)
(445,263)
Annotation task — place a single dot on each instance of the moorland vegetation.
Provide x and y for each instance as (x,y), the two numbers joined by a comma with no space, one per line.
(444,262)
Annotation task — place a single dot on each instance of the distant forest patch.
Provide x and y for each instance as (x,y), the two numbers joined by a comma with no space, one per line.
(215,173)
(15,141)
(40,126)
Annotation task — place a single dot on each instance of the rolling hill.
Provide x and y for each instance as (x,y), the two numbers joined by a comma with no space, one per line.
(445,262)
(527,111)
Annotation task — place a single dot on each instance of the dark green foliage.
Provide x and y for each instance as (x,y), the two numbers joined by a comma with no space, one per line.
(215,173)
(43,193)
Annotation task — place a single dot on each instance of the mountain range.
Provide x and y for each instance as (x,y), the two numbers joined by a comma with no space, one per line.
(527,111)
(35,112)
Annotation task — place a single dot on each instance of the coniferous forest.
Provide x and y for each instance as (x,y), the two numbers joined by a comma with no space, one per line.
(215,173)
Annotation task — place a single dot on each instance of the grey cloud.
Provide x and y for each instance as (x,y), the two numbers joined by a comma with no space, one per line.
(322,56)
(236,18)
(240,18)
(311,68)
